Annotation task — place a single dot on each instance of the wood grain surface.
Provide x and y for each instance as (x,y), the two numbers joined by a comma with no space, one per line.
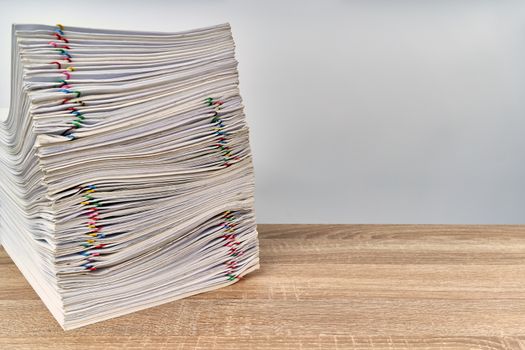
(321,287)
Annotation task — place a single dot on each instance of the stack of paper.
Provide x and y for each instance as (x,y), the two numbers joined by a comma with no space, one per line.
(126,173)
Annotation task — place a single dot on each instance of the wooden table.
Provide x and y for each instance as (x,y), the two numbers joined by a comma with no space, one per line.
(321,287)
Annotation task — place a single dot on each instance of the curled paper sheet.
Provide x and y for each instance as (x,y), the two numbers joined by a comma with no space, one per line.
(126,174)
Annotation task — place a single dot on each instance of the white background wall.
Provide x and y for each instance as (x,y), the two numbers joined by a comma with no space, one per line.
(393,111)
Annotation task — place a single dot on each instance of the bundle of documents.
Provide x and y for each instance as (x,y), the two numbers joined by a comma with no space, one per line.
(126,177)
